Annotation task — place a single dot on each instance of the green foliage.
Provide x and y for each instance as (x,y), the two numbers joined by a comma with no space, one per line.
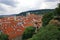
(57,10)
(46,18)
(50,32)
(3,36)
(39,12)
(28,32)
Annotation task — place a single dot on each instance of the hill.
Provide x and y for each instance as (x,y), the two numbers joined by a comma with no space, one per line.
(39,12)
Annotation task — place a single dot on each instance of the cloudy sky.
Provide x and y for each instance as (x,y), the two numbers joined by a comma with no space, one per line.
(8,7)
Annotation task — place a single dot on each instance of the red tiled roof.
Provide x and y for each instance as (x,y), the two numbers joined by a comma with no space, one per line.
(10,25)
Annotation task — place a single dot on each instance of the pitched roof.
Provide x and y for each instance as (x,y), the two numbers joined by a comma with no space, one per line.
(15,26)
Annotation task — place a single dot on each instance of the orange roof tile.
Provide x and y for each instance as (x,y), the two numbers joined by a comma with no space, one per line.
(10,25)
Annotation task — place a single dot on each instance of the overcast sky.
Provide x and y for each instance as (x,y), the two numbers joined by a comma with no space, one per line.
(8,7)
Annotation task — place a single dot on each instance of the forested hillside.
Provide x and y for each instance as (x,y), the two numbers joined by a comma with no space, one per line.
(36,12)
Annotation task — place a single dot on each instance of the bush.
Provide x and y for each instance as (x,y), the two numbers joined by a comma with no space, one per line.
(57,10)
(46,18)
(50,32)
(28,32)
(3,36)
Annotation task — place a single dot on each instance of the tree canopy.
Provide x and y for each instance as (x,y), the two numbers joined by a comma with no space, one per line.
(50,32)
(46,18)
(57,10)
(28,32)
(3,36)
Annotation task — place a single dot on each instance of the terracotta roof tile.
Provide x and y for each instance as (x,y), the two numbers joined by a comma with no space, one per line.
(10,25)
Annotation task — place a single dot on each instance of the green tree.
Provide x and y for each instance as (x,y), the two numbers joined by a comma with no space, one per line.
(46,18)
(57,10)
(50,32)
(28,32)
(3,36)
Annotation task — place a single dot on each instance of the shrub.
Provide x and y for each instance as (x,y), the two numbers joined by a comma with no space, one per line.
(46,18)
(50,32)
(28,32)
(3,36)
